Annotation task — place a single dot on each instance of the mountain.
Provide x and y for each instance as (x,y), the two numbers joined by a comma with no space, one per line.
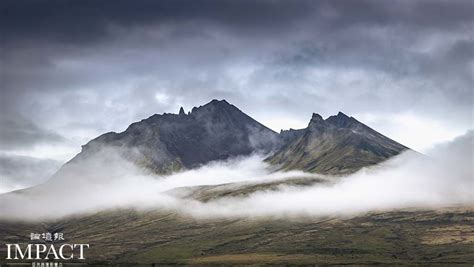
(337,145)
(219,130)
(170,142)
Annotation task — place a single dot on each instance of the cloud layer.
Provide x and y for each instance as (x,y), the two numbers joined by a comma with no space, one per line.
(106,181)
(74,70)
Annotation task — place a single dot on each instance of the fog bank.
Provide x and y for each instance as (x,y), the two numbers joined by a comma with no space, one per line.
(444,177)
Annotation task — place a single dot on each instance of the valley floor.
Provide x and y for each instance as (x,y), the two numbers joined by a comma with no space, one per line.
(425,237)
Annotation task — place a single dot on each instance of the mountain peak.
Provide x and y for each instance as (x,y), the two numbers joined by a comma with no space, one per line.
(338,145)
(215,102)
(341,120)
(316,121)
(214,105)
(341,115)
(316,117)
(169,142)
(219,101)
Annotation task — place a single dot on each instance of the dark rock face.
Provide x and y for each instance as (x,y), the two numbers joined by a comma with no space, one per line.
(338,145)
(288,136)
(169,142)
(218,130)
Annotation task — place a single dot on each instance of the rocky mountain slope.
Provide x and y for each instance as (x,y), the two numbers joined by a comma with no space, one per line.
(218,131)
(169,142)
(337,145)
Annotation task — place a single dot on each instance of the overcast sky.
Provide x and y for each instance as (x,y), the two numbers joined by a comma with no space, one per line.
(71,70)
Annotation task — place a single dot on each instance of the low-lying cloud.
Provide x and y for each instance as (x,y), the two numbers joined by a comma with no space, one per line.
(444,177)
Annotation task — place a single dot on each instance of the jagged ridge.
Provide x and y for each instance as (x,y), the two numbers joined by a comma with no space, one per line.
(218,130)
(169,142)
(338,145)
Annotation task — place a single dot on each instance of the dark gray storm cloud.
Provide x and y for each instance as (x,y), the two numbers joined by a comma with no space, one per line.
(75,69)
(19,132)
(88,20)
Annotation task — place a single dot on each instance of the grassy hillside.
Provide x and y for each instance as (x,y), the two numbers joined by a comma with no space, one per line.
(430,237)
(399,237)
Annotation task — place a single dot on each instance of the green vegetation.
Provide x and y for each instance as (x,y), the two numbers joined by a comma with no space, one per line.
(397,237)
